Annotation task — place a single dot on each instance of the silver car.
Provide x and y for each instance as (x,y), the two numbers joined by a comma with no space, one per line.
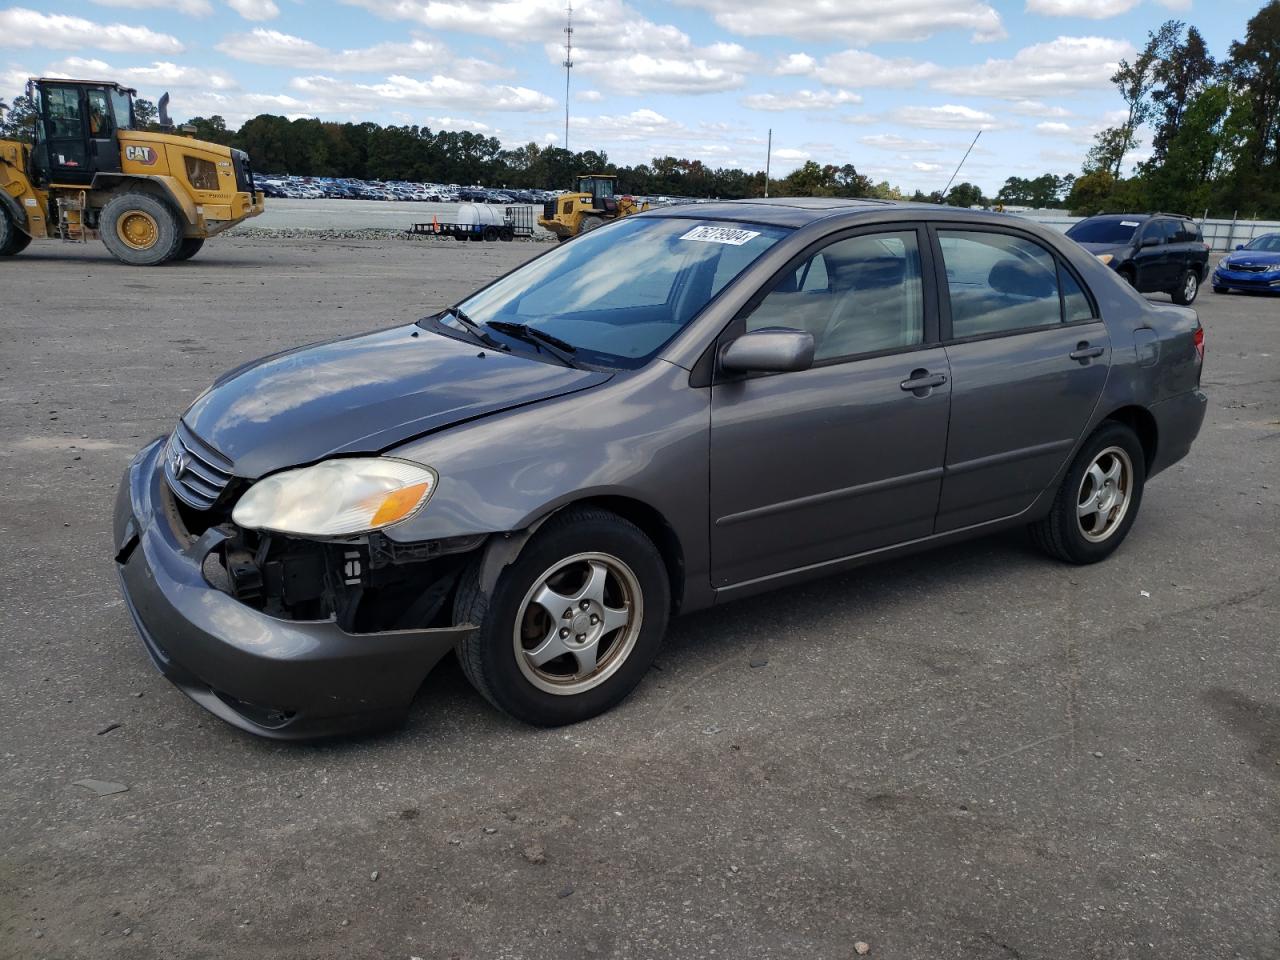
(684,407)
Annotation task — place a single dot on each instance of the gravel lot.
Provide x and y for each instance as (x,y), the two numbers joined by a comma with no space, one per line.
(977,753)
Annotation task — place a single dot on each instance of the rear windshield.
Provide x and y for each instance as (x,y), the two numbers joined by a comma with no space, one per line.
(1103,231)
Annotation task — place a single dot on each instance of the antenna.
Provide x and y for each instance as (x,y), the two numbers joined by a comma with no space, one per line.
(959,165)
(568,66)
(768,155)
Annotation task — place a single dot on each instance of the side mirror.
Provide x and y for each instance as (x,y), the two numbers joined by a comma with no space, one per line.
(1150,241)
(771,350)
(1239,246)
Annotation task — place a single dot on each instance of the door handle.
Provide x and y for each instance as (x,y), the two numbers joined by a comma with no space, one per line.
(922,381)
(1084,353)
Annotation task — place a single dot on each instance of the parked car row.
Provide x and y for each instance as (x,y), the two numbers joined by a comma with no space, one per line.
(332,188)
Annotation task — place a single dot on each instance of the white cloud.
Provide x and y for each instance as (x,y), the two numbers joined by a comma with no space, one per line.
(255,9)
(923,167)
(20,27)
(892,141)
(1091,9)
(947,117)
(861,23)
(1053,126)
(192,8)
(159,77)
(1034,108)
(328,95)
(1064,65)
(460,123)
(801,100)
(589,96)
(857,68)
(273,48)
(795,65)
(787,153)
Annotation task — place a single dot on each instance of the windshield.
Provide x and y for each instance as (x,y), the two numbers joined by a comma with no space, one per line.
(619,293)
(1103,231)
(1269,244)
(121,106)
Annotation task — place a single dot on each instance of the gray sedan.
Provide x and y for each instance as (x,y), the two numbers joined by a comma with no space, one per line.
(684,407)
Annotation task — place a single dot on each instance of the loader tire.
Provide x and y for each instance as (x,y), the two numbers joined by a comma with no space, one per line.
(12,239)
(189,247)
(140,230)
(590,223)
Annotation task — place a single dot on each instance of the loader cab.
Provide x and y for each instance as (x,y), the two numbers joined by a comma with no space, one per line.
(77,128)
(601,188)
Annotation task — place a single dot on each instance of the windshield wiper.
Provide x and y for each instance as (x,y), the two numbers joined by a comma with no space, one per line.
(561,349)
(473,328)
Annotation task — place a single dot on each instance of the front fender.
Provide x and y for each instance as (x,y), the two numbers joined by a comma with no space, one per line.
(642,436)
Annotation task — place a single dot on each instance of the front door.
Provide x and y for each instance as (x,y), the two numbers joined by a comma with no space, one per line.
(1028,359)
(1157,266)
(845,457)
(66,134)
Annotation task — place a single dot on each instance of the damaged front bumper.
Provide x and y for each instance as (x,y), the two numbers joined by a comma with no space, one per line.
(278,678)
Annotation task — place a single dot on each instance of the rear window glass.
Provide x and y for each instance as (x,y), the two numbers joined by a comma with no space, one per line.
(1103,231)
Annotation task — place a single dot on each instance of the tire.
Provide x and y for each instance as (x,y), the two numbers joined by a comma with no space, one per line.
(140,230)
(460,235)
(490,234)
(1187,291)
(507,234)
(590,223)
(189,247)
(563,239)
(1062,533)
(1217,289)
(574,550)
(1129,277)
(12,239)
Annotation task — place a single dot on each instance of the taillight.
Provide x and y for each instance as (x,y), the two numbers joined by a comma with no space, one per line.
(1199,341)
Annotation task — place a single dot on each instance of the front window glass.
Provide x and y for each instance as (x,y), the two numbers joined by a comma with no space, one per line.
(1269,244)
(859,295)
(1103,231)
(619,293)
(998,283)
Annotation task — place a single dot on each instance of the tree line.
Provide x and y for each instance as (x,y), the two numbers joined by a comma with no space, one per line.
(1215,145)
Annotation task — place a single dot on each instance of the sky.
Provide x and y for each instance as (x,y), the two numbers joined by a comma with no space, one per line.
(898,88)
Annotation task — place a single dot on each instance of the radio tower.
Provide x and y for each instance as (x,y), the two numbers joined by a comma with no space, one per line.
(568,65)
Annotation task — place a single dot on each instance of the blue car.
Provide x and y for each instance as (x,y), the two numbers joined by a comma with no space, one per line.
(1255,266)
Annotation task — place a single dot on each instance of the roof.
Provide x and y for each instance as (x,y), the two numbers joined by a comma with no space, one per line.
(802,211)
(87,83)
(1108,215)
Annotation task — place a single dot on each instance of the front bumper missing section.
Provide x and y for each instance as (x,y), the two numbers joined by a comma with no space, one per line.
(276,678)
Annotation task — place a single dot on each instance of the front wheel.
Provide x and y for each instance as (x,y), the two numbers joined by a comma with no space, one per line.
(1186,291)
(573,624)
(590,223)
(1098,500)
(1218,289)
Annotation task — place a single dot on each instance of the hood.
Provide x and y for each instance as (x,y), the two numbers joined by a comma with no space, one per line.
(1097,249)
(1254,257)
(365,394)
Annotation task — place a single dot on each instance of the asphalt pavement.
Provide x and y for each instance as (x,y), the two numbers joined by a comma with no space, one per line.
(974,753)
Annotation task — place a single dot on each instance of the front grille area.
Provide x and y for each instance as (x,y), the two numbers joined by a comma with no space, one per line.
(196,472)
(1252,268)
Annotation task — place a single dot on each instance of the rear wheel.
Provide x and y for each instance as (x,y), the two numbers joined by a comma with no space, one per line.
(1128,276)
(490,234)
(12,239)
(1098,500)
(189,247)
(590,223)
(140,230)
(573,624)
(1187,290)
(507,234)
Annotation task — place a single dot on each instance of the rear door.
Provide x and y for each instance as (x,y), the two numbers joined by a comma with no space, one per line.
(816,465)
(1028,357)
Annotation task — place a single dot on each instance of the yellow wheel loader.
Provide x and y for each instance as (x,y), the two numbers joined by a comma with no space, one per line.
(591,205)
(90,173)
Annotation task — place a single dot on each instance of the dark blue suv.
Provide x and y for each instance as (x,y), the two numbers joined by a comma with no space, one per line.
(1155,252)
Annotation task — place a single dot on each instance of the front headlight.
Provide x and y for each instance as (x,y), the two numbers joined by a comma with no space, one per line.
(1106,257)
(336,498)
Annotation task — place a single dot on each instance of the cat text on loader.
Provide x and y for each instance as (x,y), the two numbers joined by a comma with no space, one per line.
(90,173)
(590,206)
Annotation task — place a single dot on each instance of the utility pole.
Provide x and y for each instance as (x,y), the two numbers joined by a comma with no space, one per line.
(959,165)
(568,65)
(767,157)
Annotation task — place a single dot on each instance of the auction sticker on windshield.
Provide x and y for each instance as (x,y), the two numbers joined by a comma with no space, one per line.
(729,235)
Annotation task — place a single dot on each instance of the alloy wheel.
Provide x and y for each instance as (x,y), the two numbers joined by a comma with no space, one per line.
(1106,490)
(578,623)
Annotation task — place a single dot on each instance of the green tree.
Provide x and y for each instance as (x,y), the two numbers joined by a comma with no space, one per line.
(145,114)
(965,195)
(18,119)
(1179,77)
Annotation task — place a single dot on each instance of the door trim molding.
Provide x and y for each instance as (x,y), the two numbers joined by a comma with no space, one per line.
(1009,456)
(827,496)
